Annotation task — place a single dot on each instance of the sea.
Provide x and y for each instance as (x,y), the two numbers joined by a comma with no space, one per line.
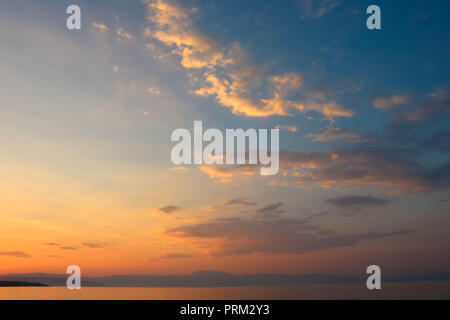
(436,290)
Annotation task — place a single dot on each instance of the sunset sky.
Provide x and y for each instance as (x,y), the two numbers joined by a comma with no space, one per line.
(86,117)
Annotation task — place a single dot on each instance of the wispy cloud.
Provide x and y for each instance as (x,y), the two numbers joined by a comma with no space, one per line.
(238,201)
(281,236)
(169,209)
(123,34)
(355,203)
(334,134)
(271,210)
(362,165)
(224,174)
(177,256)
(316,8)
(16,254)
(95,245)
(389,102)
(287,128)
(100,27)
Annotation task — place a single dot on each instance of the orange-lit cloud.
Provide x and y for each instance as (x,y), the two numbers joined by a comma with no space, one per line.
(389,102)
(100,27)
(228,73)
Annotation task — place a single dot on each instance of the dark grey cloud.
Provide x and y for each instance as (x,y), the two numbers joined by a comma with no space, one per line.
(238,201)
(17,254)
(334,134)
(95,245)
(358,203)
(169,209)
(51,244)
(176,256)
(271,210)
(280,236)
(366,165)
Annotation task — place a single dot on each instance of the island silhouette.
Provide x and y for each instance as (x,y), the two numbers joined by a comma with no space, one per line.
(201,279)
(21,284)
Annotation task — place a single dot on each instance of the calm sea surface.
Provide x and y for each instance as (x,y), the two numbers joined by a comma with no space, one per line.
(393,290)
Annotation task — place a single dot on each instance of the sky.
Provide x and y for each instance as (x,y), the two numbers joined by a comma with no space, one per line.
(86,117)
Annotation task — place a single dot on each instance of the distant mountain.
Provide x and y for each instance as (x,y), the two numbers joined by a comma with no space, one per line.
(53,280)
(207,279)
(196,279)
(20,284)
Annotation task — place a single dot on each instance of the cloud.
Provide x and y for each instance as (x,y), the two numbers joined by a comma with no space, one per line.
(67,248)
(286,127)
(316,8)
(225,173)
(355,203)
(334,134)
(16,254)
(169,209)
(51,244)
(362,165)
(177,256)
(241,202)
(123,34)
(281,236)
(389,102)
(423,124)
(365,166)
(227,72)
(271,210)
(153,91)
(436,103)
(210,208)
(100,27)
(419,107)
(95,245)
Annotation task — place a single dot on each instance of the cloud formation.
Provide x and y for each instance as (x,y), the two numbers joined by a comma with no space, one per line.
(228,73)
(95,245)
(365,166)
(316,8)
(270,210)
(100,27)
(16,254)
(123,34)
(362,165)
(354,203)
(281,236)
(334,134)
(169,209)
(287,128)
(176,256)
(225,173)
(239,201)
(389,102)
